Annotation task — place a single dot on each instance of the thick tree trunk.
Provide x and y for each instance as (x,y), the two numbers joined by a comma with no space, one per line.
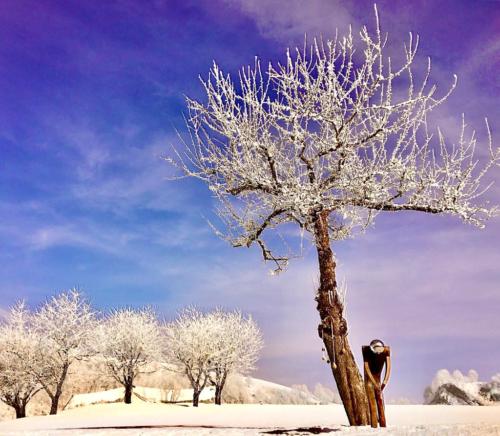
(20,410)
(196,398)
(218,395)
(333,331)
(128,393)
(219,387)
(54,404)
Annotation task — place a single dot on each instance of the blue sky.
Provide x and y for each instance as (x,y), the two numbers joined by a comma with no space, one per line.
(91,96)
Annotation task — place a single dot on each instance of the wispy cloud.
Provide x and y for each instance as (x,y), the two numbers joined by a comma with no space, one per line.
(315,19)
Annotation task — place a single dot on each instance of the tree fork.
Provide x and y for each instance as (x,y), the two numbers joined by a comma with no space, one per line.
(333,331)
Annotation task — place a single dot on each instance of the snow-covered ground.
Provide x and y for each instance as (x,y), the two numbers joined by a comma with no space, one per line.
(240,390)
(152,395)
(141,418)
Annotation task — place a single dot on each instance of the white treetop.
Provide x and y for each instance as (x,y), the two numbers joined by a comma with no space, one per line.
(17,352)
(130,340)
(330,131)
(64,326)
(207,347)
(236,344)
(189,345)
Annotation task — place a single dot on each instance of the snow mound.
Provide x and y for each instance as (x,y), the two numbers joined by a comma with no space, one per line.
(458,389)
(251,390)
(150,395)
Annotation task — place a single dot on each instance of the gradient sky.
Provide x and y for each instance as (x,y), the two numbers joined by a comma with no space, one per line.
(91,93)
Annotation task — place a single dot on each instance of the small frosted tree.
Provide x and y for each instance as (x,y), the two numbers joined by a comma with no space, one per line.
(189,346)
(129,342)
(17,350)
(236,343)
(64,327)
(326,140)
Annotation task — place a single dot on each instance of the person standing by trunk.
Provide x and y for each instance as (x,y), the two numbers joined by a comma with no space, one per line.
(375,356)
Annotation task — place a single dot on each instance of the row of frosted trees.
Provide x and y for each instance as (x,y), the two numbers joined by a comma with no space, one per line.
(38,348)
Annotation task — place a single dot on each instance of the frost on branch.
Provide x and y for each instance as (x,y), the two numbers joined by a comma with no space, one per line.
(17,350)
(208,347)
(236,344)
(326,131)
(129,341)
(63,327)
(188,346)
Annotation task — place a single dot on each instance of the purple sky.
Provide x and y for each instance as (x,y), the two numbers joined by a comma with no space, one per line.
(91,95)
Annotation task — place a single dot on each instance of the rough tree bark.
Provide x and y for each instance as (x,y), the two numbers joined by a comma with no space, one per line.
(128,393)
(18,403)
(219,387)
(218,395)
(345,371)
(196,397)
(54,398)
(20,410)
(54,403)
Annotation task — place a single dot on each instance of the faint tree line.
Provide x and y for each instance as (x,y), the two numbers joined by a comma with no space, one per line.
(39,348)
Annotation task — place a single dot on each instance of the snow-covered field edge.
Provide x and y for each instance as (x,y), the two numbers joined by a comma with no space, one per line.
(252,419)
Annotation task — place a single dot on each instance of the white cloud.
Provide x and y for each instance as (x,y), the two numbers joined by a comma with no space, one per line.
(292,19)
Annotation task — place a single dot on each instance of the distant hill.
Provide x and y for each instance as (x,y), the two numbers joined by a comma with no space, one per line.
(251,390)
(458,389)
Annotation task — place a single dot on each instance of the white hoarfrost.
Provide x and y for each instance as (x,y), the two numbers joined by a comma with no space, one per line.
(64,327)
(325,140)
(188,347)
(17,349)
(129,342)
(236,342)
(208,347)
(334,133)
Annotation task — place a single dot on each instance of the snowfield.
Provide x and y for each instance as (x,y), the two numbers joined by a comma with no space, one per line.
(140,418)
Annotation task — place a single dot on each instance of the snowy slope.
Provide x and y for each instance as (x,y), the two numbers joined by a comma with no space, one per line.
(239,390)
(251,390)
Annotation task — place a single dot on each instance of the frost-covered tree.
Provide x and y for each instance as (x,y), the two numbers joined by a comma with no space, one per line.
(17,349)
(326,140)
(236,343)
(64,327)
(189,346)
(129,342)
